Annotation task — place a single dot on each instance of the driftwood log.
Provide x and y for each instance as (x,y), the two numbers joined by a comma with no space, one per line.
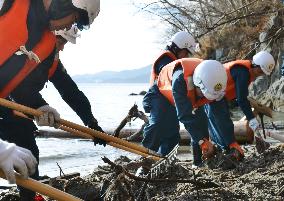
(242,132)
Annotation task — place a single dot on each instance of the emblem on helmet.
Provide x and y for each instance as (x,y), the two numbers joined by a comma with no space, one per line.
(218,87)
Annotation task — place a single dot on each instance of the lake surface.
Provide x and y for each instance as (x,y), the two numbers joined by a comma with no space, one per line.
(110,104)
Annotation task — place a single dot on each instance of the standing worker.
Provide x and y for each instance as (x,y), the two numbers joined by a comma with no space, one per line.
(29,44)
(162,132)
(188,84)
(240,74)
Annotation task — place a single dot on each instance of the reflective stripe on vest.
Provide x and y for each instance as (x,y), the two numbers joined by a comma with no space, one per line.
(14,31)
(166,76)
(230,89)
(153,75)
(43,49)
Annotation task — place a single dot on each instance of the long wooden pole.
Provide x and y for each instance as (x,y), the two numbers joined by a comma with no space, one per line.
(108,138)
(93,133)
(43,189)
(85,135)
(81,134)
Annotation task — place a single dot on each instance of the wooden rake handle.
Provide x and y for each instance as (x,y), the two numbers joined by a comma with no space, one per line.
(110,139)
(84,135)
(43,189)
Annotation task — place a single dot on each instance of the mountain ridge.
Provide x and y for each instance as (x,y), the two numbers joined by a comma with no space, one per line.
(139,75)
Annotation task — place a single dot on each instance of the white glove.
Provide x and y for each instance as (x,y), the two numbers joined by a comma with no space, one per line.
(13,158)
(253,124)
(49,116)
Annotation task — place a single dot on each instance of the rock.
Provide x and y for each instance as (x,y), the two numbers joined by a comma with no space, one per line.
(142,93)
(133,94)
(272,97)
(269,90)
(262,36)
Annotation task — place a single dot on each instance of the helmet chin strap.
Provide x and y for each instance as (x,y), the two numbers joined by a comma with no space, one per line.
(253,65)
(173,48)
(83,21)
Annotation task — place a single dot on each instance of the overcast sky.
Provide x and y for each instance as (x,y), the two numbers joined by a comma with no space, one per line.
(120,38)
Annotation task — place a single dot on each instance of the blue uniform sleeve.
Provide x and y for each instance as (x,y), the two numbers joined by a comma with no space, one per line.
(71,94)
(164,60)
(241,77)
(196,124)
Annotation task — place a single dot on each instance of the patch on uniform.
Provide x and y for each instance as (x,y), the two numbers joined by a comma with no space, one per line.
(190,85)
(218,87)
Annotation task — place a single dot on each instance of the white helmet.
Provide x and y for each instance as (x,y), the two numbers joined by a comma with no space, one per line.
(211,77)
(91,6)
(265,60)
(70,35)
(1,3)
(183,40)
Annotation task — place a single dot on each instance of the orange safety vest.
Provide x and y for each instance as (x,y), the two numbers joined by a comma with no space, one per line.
(230,89)
(16,35)
(166,76)
(53,68)
(153,75)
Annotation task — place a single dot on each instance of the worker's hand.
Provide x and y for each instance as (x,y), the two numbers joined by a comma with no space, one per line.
(253,124)
(93,124)
(49,116)
(14,158)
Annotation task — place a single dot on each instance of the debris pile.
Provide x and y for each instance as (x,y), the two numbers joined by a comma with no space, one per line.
(258,177)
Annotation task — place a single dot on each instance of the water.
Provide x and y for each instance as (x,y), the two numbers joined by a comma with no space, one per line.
(73,156)
(110,104)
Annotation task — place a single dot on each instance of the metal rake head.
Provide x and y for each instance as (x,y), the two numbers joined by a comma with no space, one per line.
(163,165)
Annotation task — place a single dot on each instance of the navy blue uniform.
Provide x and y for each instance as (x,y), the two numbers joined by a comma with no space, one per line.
(220,123)
(14,129)
(194,122)
(162,132)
